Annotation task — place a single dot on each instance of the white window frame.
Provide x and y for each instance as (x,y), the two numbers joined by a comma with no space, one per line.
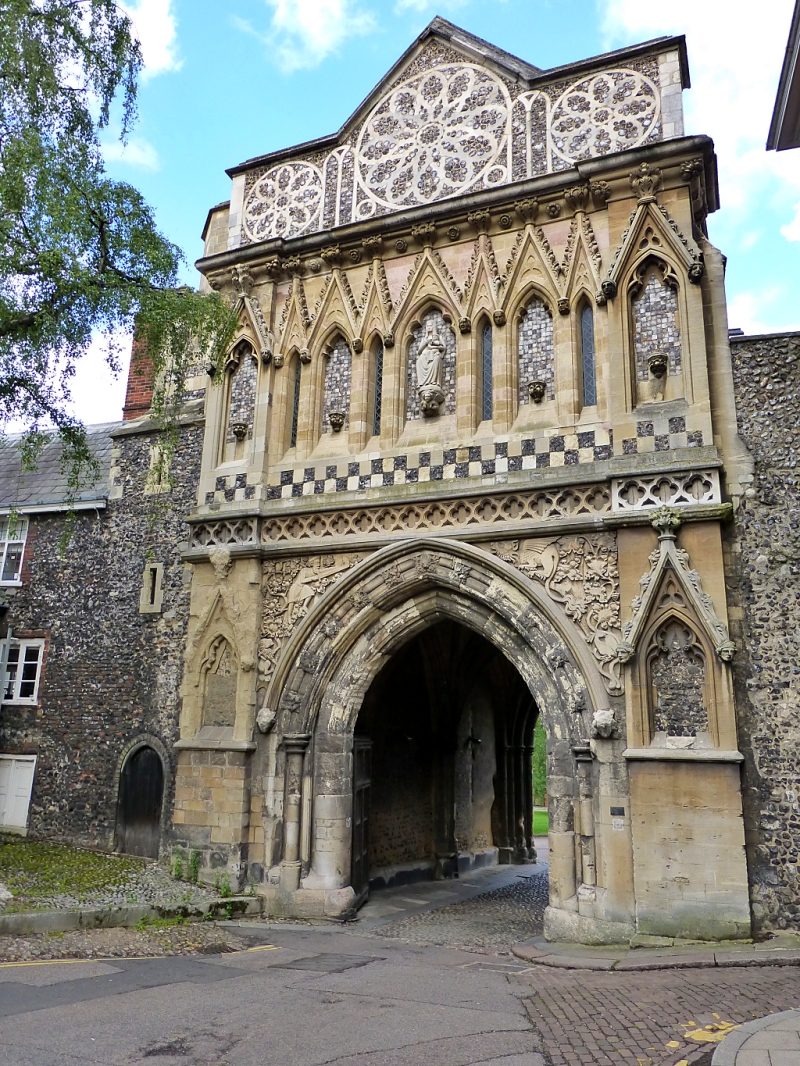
(23,646)
(21,529)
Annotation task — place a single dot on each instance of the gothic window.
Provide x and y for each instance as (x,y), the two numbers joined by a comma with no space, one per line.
(242,394)
(486,372)
(338,370)
(295,402)
(677,671)
(432,326)
(377,390)
(588,370)
(219,700)
(656,334)
(535,352)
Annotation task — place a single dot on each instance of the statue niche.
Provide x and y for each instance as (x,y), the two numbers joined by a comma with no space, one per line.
(219,691)
(431,368)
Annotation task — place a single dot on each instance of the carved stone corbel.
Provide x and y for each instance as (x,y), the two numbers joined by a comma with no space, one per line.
(645,183)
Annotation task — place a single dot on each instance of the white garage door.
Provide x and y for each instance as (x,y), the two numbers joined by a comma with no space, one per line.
(16,782)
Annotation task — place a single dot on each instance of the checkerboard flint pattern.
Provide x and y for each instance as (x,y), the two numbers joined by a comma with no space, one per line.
(661,435)
(446,464)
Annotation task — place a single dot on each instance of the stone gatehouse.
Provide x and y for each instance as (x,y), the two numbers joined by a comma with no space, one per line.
(474,461)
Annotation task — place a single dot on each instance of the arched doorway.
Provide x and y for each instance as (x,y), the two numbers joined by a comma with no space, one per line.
(141,793)
(335,655)
(448,724)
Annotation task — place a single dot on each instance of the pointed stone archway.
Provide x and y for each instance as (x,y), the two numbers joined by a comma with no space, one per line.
(340,648)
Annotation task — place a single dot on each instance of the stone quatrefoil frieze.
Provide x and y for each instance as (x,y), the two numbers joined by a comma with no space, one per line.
(451,129)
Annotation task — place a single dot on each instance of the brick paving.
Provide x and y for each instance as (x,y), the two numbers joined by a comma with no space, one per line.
(608,1019)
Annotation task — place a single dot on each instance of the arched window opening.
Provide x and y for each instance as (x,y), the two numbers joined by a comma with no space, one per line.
(486,372)
(377,390)
(587,357)
(295,404)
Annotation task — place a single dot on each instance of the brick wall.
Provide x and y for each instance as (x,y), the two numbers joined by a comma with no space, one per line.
(141,380)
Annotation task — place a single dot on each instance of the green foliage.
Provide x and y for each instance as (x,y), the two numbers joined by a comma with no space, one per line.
(539,764)
(194,867)
(177,868)
(158,923)
(34,871)
(541,823)
(79,253)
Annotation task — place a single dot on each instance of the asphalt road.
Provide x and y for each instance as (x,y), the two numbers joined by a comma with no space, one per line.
(298,997)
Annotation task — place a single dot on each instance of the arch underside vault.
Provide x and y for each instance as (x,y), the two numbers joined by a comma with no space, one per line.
(370,615)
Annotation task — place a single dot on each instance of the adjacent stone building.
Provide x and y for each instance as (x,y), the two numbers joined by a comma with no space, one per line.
(474,459)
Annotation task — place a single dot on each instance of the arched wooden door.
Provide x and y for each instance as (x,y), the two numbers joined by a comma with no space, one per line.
(141,791)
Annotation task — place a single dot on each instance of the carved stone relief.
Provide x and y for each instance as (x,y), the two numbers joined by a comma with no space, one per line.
(677,677)
(219,697)
(291,588)
(580,573)
(445,127)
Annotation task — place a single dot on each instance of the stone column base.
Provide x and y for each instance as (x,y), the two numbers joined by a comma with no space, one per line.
(581,929)
(337,903)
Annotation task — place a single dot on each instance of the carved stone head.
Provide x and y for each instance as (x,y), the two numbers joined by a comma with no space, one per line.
(336,419)
(537,390)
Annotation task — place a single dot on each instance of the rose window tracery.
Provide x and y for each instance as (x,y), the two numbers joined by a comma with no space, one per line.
(284,202)
(433,136)
(610,112)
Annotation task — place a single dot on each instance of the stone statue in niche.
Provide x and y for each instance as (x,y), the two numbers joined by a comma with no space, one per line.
(430,370)
(677,676)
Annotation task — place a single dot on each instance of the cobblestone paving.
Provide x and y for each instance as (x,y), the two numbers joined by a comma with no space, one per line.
(491,922)
(643,1019)
(203,938)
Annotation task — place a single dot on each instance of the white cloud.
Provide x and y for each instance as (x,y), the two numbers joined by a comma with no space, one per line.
(136,152)
(304,32)
(426,5)
(746,311)
(735,59)
(156,28)
(792,231)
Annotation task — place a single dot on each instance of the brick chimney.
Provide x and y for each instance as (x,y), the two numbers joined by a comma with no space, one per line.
(141,376)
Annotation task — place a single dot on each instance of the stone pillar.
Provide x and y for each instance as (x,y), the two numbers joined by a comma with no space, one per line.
(585,818)
(295,746)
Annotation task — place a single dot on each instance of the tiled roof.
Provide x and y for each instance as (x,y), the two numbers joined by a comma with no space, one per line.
(47,484)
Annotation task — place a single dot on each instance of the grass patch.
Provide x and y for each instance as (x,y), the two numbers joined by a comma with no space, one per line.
(541,823)
(35,871)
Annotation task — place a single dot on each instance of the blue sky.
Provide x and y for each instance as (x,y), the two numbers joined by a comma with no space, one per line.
(226,80)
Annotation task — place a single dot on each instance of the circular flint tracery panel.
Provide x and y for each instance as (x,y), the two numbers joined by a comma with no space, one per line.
(610,112)
(284,202)
(435,135)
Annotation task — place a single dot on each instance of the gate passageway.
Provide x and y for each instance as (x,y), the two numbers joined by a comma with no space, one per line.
(449,725)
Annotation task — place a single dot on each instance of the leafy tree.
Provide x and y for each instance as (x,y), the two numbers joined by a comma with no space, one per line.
(80,253)
(539,764)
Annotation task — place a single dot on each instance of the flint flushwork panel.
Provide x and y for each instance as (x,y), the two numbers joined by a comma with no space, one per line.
(338,372)
(678,674)
(536,354)
(243,398)
(655,325)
